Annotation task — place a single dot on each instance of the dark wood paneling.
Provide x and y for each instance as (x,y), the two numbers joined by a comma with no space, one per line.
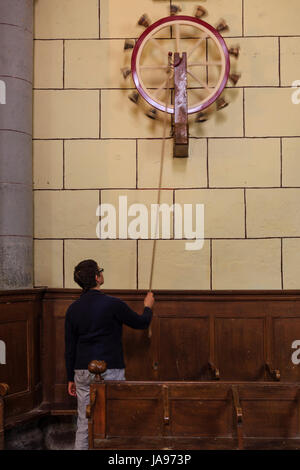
(234,329)
(239,331)
(201,418)
(271,418)
(183,347)
(138,349)
(239,346)
(133,417)
(20,324)
(15,334)
(285,331)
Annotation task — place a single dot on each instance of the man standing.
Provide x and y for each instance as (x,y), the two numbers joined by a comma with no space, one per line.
(93,330)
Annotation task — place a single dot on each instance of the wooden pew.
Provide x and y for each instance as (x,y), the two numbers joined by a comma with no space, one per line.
(192,415)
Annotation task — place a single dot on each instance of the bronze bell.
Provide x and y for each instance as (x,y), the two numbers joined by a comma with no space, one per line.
(235,51)
(125,71)
(234,77)
(200,11)
(129,44)
(134,97)
(221,104)
(174,9)
(222,26)
(152,113)
(144,20)
(201,117)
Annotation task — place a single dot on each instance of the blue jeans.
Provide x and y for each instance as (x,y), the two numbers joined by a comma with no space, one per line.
(82,380)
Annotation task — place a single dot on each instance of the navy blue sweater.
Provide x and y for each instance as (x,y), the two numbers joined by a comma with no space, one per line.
(93,330)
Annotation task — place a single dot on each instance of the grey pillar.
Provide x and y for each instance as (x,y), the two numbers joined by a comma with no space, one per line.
(16,220)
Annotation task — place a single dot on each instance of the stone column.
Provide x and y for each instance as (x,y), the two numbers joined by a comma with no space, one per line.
(16,219)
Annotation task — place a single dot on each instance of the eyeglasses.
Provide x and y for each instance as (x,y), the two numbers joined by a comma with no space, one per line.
(100,270)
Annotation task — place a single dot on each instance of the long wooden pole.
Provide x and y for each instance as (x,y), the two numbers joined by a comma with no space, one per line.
(159,186)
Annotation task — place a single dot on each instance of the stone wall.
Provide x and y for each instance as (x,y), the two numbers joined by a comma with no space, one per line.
(91,144)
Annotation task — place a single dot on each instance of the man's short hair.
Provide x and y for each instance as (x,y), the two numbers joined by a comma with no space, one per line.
(85,274)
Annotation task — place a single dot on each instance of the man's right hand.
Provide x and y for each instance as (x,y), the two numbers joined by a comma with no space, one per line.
(72,389)
(149,300)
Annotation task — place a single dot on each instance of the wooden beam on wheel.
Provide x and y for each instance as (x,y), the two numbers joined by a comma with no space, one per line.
(181,137)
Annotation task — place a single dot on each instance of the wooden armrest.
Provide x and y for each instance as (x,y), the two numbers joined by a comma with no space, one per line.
(274,373)
(238,414)
(4,388)
(165,391)
(236,403)
(90,407)
(214,370)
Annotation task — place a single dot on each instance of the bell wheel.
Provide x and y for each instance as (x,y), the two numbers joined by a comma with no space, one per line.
(208,63)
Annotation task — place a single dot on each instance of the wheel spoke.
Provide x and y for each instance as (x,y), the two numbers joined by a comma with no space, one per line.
(158,45)
(203,84)
(159,89)
(152,67)
(190,52)
(199,64)
(177,35)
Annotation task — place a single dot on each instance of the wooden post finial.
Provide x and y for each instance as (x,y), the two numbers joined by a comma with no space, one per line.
(97,368)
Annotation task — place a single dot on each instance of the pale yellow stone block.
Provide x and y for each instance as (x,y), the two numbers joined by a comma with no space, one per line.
(66,19)
(291,162)
(246,264)
(273,212)
(230,10)
(66,114)
(289,60)
(119,20)
(96,64)
(175,267)
(48,263)
(225,123)
(269,18)
(100,164)
(223,210)
(48,64)
(271,112)
(117,257)
(291,263)
(244,162)
(257,62)
(146,198)
(121,118)
(66,214)
(47,164)
(177,172)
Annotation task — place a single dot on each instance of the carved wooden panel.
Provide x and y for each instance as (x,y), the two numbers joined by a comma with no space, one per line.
(270,411)
(139,349)
(20,324)
(285,331)
(183,347)
(15,333)
(134,410)
(239,345)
